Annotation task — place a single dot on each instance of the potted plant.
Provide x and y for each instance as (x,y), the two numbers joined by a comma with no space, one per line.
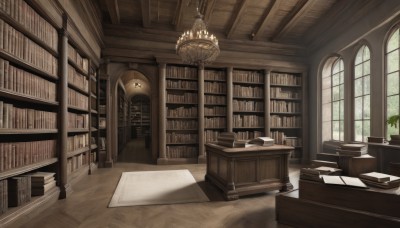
(393,121)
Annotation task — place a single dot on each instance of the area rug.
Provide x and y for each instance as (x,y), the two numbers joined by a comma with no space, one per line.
(157,187)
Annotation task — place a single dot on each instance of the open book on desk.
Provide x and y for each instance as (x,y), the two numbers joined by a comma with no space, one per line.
(344,181)
(262,141)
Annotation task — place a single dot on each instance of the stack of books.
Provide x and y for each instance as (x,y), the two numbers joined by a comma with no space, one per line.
(394,141)
(262,141)
(42,182)
(227,139)
(19,190)
(352,150)
(372,139)
(318,163)
(380,180)
(314,174)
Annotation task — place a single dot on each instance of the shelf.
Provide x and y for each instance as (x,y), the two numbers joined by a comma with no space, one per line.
(13,172)
(172,117)
(247,98)
(186,143)
(77,151)
(93,78)
(182,89)
(182,129)
(285,113)
(248,111)
(214,104)
(183,79)
(93,146)
(211,93)
(80,90)
(214,128)
(74,108)
(210,80)
(248,127)
(215,115)
(173,103)
(283,85)
(16,25)
(285,127)
(77,68)
(286,99)
(93,129)
(26,98)
(249,83)
(78,130)
(93,95)
(12,131)
(28,66)
(93,111)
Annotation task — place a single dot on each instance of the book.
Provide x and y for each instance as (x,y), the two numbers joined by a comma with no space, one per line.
(351,153)
(344,181)
(373,139)
(262,141)
(41,190)
(375,176)
(384,185)
(353,147)
(41,177)
(317,163)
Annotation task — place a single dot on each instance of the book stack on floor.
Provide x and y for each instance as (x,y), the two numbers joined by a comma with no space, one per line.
(380,180)
(315,174)
(352,150)
(42,182)
(3,197)
(19,190)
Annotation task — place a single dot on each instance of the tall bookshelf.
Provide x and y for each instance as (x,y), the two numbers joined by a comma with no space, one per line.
(182,114)
(94,117)
(286,111)
(248,103)
(102,129)
(29,104)
(140,116)
(123,114)
(215,103)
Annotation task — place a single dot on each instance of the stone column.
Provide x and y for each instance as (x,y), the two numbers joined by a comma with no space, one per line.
(202,156)
(162,72)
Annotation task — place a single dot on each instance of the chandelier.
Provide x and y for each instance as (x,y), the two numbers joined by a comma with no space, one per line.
(196,46)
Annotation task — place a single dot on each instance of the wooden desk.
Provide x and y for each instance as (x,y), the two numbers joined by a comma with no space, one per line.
(244,171)
(385,154)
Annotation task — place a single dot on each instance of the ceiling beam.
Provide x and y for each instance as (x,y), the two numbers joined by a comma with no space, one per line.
(146,18)
(113,11)
(267,17)
(236,18)
(292,18)
(206,9)
(178,15)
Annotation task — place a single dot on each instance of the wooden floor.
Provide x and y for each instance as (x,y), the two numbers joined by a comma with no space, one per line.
(87,206)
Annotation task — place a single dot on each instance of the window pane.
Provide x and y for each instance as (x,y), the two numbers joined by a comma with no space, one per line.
(392,105)
(358,108)
(367,130)
(366,107)
(358,71)
(335,79)
(366,68)
(341,65)
(335,68)
(358,87)
(335,93)
(326,96)
(326,83)
(341,133)
(393,84)
(335,111)
(366,55)
(393,61)
(335,130)
(393,41)
(358,57)
(341,77)
(341,88)
(367,85)
(358,131)
(341,110)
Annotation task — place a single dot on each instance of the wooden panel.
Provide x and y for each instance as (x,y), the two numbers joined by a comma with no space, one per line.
(285,8)
(221,14)
(223,168)
(129,12)
(213,166)
(245,171)
(269,168)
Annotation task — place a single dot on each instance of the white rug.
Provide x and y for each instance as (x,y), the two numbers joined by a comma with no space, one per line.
(157,187)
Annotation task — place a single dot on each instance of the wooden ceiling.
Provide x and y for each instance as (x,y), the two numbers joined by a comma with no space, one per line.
(280,21)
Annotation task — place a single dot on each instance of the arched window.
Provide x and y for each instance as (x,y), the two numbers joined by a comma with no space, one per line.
(392,79)
(333,100)
(362,107)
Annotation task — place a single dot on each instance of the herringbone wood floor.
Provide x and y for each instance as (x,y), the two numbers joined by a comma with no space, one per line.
(87,205)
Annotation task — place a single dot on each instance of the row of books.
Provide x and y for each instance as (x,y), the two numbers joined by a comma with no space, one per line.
(277,92)
(248,76)
(248,91)
(284,106)
(18,154)
(243,135)
(182,124)
(211,135)
(182,98)
(181,138)
(78,120)
(181,84)
(285,121)
(215,122)
(217,100)
(245,105)
(77,141)
(76,162)
(75,57)
(20,46)
(3,196)
(214,75)
(182,151)
(281,139)
(77,79)
(216,110)
(77,99)
(248,121)
(12,117)
(215,87)
(181,72)
(285,79)
(26,83)
(27,17)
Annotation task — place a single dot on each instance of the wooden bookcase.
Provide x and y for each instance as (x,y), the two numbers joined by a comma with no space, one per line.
(123,123)
(102,129)
(139,116)
(248,103)
(94,118)
(286,111)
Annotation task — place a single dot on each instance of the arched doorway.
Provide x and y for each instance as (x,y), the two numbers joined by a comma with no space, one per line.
(135,133)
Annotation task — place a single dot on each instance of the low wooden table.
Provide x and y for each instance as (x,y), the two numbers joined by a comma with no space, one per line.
(244,171)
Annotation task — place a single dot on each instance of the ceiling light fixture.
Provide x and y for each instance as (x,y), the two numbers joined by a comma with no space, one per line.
(197,46)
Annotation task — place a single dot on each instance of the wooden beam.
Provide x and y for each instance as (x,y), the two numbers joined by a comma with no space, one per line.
(236,18)
(178,15)
(146,17)
(206,9)
(113,11)
(269,13)
(293,18)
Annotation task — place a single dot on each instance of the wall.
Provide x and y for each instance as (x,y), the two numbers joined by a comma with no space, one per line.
(371,30)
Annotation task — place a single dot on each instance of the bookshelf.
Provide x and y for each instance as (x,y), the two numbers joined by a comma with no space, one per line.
(248,103)
(139,116)
(94,118)
(123,125)
(29,105)
(102,129)
(181,114)
(286,111)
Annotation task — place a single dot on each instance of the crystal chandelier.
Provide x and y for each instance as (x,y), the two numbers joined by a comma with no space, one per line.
(196,46)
